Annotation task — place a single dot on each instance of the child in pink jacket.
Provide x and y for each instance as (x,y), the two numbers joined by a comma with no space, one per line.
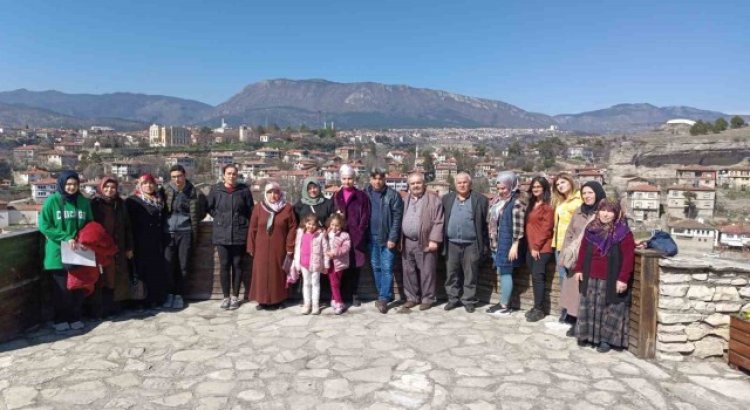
(339,245)
(310,260)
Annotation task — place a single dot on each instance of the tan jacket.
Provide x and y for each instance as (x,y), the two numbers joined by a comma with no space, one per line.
(431,221)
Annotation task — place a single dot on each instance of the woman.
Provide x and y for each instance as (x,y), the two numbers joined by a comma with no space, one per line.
(63,214)
(109,210)
(604,268)
(271,238)
(592,193)
(312,201)
(145,208)
(566,199)
(230,205)
(506,215)
(540,221)
(355,206)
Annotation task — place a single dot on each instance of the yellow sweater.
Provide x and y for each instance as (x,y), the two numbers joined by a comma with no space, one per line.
(563,214)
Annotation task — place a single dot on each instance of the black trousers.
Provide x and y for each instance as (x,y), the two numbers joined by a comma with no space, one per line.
(538,269)
(230,268)
(176,257)
(67,303)
(350,284)
(462,272)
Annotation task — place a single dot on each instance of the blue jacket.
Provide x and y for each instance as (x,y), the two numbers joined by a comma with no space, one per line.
(505,238)
(391,211)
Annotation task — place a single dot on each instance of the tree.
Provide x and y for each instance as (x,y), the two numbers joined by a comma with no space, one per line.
(699,128)
(720,125)
(514,149)
(737,122)
(690,210)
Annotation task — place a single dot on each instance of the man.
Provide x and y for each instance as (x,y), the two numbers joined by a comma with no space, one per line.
(183,210)
(422,229)
(386,210)
(465,242)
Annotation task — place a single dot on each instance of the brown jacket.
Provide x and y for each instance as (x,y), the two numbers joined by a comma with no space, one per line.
(431,221)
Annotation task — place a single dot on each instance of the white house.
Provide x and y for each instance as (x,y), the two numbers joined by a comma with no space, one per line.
(693,235)
(734,236)
(42,189)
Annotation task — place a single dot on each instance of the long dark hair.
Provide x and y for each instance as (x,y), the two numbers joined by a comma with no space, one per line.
(546,193)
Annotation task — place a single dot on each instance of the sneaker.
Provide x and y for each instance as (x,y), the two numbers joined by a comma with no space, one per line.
(77,325)
(495,308)
(168,302)
(469,308)
(503,311)
(234,303)
(306,309)
(61,327)
(338,309)
(224,303)
(534,315)
(178,302)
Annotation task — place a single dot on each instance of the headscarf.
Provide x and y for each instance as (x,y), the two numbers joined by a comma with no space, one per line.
(599,195)
(346,170)
(151,199)
(104,182)
(509,179)
(272,209)
(306,198)
(602,235)
(62,179)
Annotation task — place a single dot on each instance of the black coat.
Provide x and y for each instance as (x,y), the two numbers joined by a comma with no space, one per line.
(148,247)
(231,213)
(323,210)
(479,206)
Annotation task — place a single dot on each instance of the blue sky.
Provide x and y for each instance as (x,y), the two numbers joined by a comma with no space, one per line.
(545,56)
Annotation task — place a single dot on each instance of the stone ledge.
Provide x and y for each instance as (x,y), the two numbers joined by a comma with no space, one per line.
(701,264)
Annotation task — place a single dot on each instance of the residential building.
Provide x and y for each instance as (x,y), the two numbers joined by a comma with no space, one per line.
(696,176)
(183,159)
(735,236)
(445,170)
(219,160)
(397,155)
(484,169)
(26,154)
(644,202)
(693,235)
(168,136)
(268,153)
(681,198)
(581,151)
(439,187)
(397,181)
(127,168)
(347,152)
(736,177)
(29,176)
(61,159)
(245,133)
(42,189)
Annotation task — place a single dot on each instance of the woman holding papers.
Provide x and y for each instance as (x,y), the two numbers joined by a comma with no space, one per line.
(63,214)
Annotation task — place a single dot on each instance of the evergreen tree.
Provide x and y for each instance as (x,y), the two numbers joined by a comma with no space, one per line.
(720,125)
(737,122)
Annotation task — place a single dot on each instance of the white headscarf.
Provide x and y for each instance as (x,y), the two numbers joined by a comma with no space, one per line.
(346,170)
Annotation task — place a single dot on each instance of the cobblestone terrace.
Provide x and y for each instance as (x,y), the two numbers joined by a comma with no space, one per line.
(204,358)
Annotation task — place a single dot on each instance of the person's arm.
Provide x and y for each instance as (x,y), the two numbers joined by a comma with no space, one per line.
(128,231)
(397,213)
(211,202)
(346,245)
(483,205)
(437,224)
(581,255)
(297,250)
(519,216)
(364,219)
(252,231)
(47,221)
(291,233)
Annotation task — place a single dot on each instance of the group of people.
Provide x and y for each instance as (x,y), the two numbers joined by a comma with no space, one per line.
(295,246)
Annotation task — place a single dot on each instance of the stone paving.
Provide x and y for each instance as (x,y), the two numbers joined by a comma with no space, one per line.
(206,358)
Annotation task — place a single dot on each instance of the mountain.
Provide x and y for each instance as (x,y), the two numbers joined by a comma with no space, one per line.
(19,116)
(138,107)
(292,102)
(630,118)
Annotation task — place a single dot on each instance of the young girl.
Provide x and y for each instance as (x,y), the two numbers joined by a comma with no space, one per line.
(339,245)
(310,261)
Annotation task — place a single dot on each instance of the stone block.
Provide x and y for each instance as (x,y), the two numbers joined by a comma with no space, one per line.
(700,292)
(726,293)
(722,332)
(700,276)
(667,357)
(703,307)
(672,338)
(671,329)
(739,282)
(697,331)
(673,303)
(672,318)
(745,292)
(674,278)
(673,290)
(717,319)
(675,347)
(709,347)
(728,307)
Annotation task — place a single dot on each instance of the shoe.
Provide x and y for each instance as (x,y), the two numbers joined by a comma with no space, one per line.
(77,325)
(604,347)
(234,303)
(306,309)
(425,306)
(581,343)
(571,332)
(382,306)
(168,302)
(404,310)
(495,308)
(178,303)
(409,304)
(61,327)
(338,308)
(315,310)
(224,304)
(563,316)
(452,305)
(534,315)
(260,306)
(356,302)
(469,308)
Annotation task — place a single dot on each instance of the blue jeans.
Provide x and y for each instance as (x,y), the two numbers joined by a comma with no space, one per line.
(506,284)
(381,259)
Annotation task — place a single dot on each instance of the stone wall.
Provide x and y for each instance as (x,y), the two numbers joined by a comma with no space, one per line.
(696,299)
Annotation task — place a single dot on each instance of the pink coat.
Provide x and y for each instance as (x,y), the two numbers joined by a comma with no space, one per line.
(318,260)
(340,244)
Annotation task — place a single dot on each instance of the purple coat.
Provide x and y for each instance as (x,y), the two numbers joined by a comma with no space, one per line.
(357,214)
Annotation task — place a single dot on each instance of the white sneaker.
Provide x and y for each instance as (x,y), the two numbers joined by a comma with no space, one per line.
(178,303)
(77,325)
(168,302)
(61,327)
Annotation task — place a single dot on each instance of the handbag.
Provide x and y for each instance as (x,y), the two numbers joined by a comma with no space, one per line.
(137,287)
(663,242)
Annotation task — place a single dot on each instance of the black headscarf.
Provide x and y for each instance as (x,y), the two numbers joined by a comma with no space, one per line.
(599,194)
(62,179)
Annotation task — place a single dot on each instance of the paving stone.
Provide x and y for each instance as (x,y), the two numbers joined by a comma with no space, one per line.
(175,400)
(251,395)
(376,374)
(214,388)
(336,388)
(21,396)
(124,380)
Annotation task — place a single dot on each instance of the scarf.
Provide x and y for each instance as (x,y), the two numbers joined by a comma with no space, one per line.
(275,208)
(306,198)
(150,199)
(605,236)
(599,195)
(62,179)
(104,182)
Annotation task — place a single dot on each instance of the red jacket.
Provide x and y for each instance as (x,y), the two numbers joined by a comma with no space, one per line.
(540,223)
(93,236)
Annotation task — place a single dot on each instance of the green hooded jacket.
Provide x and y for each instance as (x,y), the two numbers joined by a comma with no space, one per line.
(56,229)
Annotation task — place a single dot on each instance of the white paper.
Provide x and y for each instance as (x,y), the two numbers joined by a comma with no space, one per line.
(77,257)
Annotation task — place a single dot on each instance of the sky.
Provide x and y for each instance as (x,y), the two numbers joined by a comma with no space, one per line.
(551,56)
